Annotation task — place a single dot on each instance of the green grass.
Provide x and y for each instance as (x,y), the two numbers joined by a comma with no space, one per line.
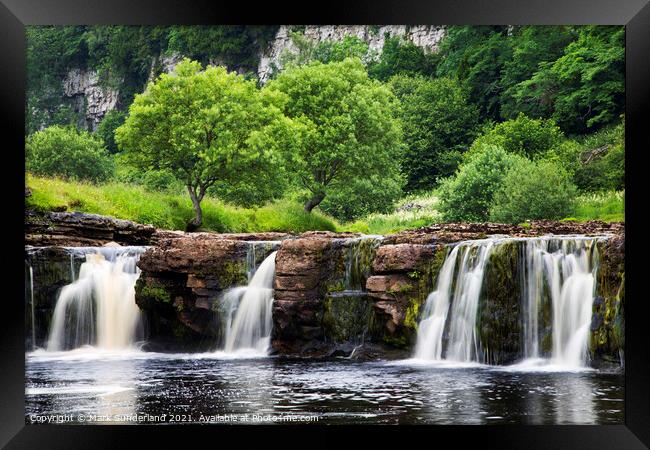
(172,211)
(423,212)
(606,206)
(169,210)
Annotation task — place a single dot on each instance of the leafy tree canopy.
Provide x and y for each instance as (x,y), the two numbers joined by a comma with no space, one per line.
(439,125)
(468,195)
(204,126)
(346,129)
(532,191)
(523,136)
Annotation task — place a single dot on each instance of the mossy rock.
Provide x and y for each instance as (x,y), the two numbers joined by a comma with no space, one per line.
(607,338)
(347,318)
(498,315)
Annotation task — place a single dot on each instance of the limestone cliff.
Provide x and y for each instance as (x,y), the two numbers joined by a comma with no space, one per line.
(425,36)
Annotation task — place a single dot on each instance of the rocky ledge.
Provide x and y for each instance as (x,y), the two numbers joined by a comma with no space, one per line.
(75,229)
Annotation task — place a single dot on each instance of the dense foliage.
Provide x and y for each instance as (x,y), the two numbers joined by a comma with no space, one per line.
(345,128)
(533,190)
(523,136)
(68,153)
(439,124)
(342,127)
(468,195)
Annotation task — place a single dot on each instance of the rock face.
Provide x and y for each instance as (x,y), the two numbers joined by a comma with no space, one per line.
(47,270)
(425,36)
(80,229)
(88,96)
(607,324)
(182,284)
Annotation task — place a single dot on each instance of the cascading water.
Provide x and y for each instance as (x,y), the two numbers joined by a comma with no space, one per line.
(466,285)
(248,327)
(31,304)
(99,308)
(429,343)
(571,274)
(558,269)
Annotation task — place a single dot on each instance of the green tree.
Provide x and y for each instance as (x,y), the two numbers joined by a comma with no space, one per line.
(439,125)
(349,47)
(68,153)
(468,195)
(532,191)
(106,129)
(399,56)
(585,87)
(204,126)
(523,136)
(602,160)
(347,126)
(476,56)
(531,46)
(362,196)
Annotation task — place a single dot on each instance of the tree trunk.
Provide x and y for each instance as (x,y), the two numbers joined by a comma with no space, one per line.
(197,221)
(314,201)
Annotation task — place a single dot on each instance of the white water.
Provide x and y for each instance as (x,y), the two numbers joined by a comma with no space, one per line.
(99,308)
(560,268)
(466,282)
(248,327)
(430,329)
(31,303)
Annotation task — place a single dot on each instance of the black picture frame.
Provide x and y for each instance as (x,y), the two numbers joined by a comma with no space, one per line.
(634,14)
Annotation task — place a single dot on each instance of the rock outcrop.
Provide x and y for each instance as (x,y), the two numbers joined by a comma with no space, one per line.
(77,229)
(425,36)
(88,96)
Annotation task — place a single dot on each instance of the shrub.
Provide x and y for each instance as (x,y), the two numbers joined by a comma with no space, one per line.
(467,195)
(68,153)
(524,136)
(360,197)
(534,190)
(602,171)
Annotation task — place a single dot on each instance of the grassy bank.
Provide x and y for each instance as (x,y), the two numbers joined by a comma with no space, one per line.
(173,210)
(169,211)
(606,206)
(413,211)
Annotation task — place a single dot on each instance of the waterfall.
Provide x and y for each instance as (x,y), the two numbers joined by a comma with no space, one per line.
(572,273)
(429,343)
(31,304)
(558,269)
(248,327)
(466,286)
(99,308)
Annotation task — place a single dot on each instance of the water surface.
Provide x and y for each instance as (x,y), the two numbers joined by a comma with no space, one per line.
(110,385)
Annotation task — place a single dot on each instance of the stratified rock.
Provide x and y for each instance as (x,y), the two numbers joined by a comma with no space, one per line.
(427,37)
(81,229)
